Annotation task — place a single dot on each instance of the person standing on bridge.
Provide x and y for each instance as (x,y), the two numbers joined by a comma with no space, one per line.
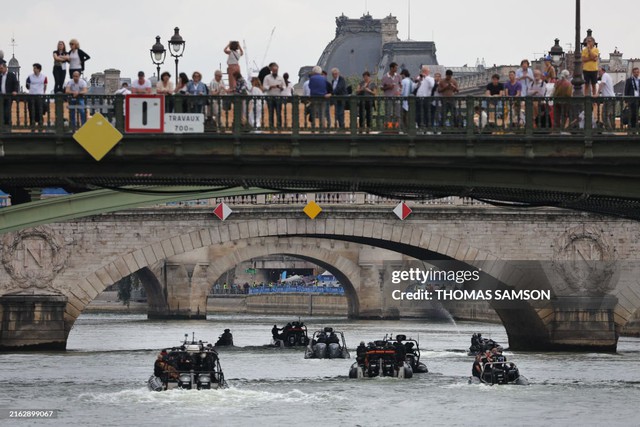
(590,57)
(141,86)
(448,88)
(165,87)
(9,85)
(339,88)
(605,89)
(367,89)
(60,60)
(318,92)
(425,85)
(196,88)
(36,85)
(391,87)
(513,89)
(632,89)
(273,85)
(561,107)
(77,88)
(234,52)
(77,57)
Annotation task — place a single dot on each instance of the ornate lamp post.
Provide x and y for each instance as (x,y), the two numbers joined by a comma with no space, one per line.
(556,53)
(176,48)
(577,80)
(158,54)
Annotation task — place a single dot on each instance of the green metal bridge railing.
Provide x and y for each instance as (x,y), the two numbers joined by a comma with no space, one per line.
(354,115)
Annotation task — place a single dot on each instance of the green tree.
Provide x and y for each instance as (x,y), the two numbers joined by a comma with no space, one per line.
(125,286)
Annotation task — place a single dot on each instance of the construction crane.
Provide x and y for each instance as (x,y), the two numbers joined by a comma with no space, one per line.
(264,58)
(257,67)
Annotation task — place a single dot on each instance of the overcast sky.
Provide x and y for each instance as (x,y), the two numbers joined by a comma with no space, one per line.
(119,34)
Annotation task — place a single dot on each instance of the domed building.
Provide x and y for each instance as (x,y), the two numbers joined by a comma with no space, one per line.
(369,44)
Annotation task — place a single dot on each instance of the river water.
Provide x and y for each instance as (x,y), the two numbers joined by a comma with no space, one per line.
(101,380)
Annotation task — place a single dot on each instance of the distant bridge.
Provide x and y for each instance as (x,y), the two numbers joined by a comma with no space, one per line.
(588,262)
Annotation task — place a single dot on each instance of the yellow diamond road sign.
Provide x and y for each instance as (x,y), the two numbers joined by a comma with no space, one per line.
(312,210)
(97,136)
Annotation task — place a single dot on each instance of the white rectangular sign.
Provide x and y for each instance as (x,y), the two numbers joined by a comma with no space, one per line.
(144,113)
(183,123)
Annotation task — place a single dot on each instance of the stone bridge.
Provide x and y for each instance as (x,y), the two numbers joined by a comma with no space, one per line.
(51,273)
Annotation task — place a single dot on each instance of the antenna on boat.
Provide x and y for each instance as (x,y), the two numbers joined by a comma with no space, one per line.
(193,337)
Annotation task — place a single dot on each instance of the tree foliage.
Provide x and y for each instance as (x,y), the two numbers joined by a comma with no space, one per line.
(126,286)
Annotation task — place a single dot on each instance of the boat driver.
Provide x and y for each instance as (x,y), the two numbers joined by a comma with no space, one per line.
(361,353)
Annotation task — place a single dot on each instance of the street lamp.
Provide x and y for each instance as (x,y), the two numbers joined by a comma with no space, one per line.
(556,53)
(176,48)
(158,54)
(577,80)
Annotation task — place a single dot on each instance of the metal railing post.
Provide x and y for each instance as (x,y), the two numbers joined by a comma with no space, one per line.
(470,111)
(528,115)
(411,117)
(2,125)
(59,107)
(237,115)
(295,115)
(353,115)
(118,111)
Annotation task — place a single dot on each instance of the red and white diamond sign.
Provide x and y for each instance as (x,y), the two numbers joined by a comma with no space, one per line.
(402,211)
(222,211)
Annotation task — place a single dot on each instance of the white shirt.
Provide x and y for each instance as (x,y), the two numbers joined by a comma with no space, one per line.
(407,88)
(525,83)
(76,87)
(306,91)
(3,84)
(37,84)
(426,86)
(270,84)
(74,60)
(217,87)
(144,86)
(606,85)
(287,90)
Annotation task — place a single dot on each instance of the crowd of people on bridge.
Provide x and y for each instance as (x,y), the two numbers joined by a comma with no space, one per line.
(324,96)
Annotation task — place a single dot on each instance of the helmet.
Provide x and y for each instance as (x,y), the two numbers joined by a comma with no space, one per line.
(227,330)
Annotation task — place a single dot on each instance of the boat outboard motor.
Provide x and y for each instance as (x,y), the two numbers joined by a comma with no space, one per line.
(155,383)
(320,350)
(184,380)
(334,351)
(204,381)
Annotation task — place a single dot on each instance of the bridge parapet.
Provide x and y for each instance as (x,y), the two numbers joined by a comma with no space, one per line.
(364,116)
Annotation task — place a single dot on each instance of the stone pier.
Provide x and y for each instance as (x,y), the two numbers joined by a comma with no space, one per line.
(32,322)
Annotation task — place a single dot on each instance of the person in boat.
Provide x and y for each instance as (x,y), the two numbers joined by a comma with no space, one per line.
(475,340)
(322,338)
(226,338)
(333,339)
(361,353)
(161,366)
(185,362)
(401,352)
(476,369)
(497,356)
(275,334)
